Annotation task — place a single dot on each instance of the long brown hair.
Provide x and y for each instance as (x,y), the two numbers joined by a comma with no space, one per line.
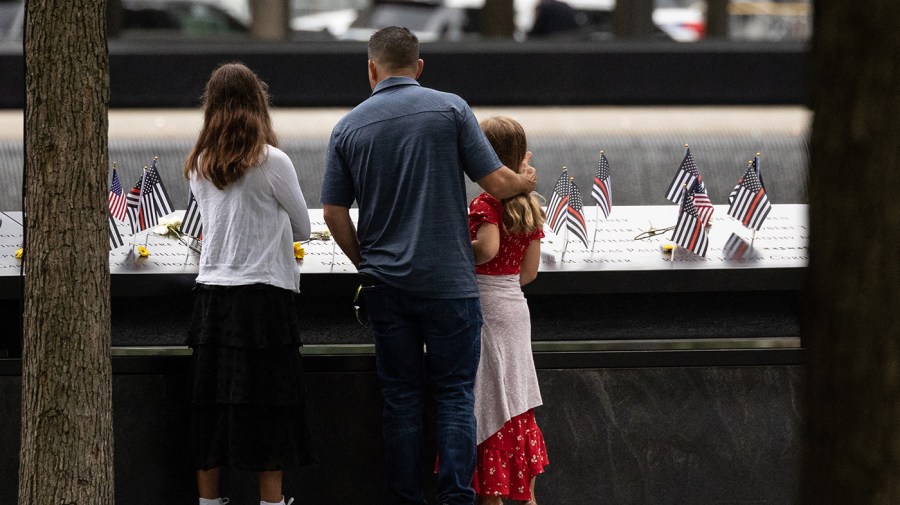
(236,126)
(521,213)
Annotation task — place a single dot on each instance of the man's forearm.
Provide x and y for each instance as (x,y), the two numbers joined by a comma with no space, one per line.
(343,231)
(504,183)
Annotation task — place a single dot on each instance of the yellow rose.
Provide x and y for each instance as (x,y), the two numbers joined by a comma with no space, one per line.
(299,252)
(20,252)
(143,252)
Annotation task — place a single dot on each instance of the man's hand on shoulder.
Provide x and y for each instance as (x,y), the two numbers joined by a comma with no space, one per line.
(528,173)
(504,183)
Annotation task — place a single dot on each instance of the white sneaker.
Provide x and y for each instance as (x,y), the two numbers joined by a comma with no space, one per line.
(217,501)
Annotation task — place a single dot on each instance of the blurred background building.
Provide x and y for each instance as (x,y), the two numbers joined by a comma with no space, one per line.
(448,20)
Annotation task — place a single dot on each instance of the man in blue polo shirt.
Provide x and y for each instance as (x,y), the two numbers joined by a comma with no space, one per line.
(402,155)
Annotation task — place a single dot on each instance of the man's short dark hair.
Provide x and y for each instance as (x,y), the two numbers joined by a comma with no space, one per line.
(394,47)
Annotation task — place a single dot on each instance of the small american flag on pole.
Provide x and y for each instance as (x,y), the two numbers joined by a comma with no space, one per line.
(564,209)
(750,204)
(601,191)
(686,176)
(755,164)
(117,203)
(191,224)
(576,222)
(156,199)
(702,202)
(557,208)
(115,238)
(136,216)
(689,232)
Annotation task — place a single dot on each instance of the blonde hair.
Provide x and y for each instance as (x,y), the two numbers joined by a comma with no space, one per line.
(236,126)
(522,214)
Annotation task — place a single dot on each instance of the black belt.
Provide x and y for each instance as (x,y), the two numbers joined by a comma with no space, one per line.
(368,280)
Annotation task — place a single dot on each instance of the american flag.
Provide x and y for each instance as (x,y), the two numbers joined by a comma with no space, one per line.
(117,203)
(115,238)
(156,199)
(755,164)
(565,207)
(686,176)
(136,212)
(735,247)
(191,224)
(702,203)
(557,208)
(689,232)
(601,191)
(576,222)
(148,200)
(750,204)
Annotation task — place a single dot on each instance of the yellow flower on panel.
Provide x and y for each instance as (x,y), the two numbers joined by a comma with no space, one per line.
(142,251)
(299,252)
(20,252)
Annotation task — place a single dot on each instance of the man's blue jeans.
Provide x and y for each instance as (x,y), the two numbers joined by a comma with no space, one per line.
(450,329)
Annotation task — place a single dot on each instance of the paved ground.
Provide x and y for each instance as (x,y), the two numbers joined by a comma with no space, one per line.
(143,124)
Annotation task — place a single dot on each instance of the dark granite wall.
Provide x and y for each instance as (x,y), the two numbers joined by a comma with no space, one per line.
(684,435)
(494,73)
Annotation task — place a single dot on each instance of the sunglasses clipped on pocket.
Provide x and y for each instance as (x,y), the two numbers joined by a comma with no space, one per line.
(359,307)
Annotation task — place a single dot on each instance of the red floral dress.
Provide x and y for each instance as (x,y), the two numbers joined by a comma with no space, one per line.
(487,209)
(511,457)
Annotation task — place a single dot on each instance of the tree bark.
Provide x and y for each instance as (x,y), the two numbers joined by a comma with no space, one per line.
(497,19)
(270,19)
(852,329)
(716,19)
(66,455)
(633,19)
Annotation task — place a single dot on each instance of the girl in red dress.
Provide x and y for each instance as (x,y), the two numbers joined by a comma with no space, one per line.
(506,236)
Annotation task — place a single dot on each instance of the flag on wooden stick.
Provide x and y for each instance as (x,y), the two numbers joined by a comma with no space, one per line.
(565,208)
(702,202)
(685,177)
(576,223)
(136,212)
(557,208)
(191,224)
(148,200)
(750,204)
(601,191)
(156,199)
(689,232)
(115,238)
(117,203)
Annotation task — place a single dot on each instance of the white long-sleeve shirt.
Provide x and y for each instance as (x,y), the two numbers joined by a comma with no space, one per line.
(250,226)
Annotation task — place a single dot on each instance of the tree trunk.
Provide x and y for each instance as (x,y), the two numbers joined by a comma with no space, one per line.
(497,19)
(633,19)
(270,19)
(67,440)
(717,19)
(852,328)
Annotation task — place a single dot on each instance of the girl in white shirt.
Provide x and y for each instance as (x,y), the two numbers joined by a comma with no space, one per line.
(247,401)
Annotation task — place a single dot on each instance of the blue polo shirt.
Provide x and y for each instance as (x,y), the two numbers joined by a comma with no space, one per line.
(401,155)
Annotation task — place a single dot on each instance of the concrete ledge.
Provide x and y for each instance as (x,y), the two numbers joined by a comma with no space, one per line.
(172,73)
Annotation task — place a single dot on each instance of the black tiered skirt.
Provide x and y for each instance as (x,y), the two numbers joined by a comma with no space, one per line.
(247,393)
